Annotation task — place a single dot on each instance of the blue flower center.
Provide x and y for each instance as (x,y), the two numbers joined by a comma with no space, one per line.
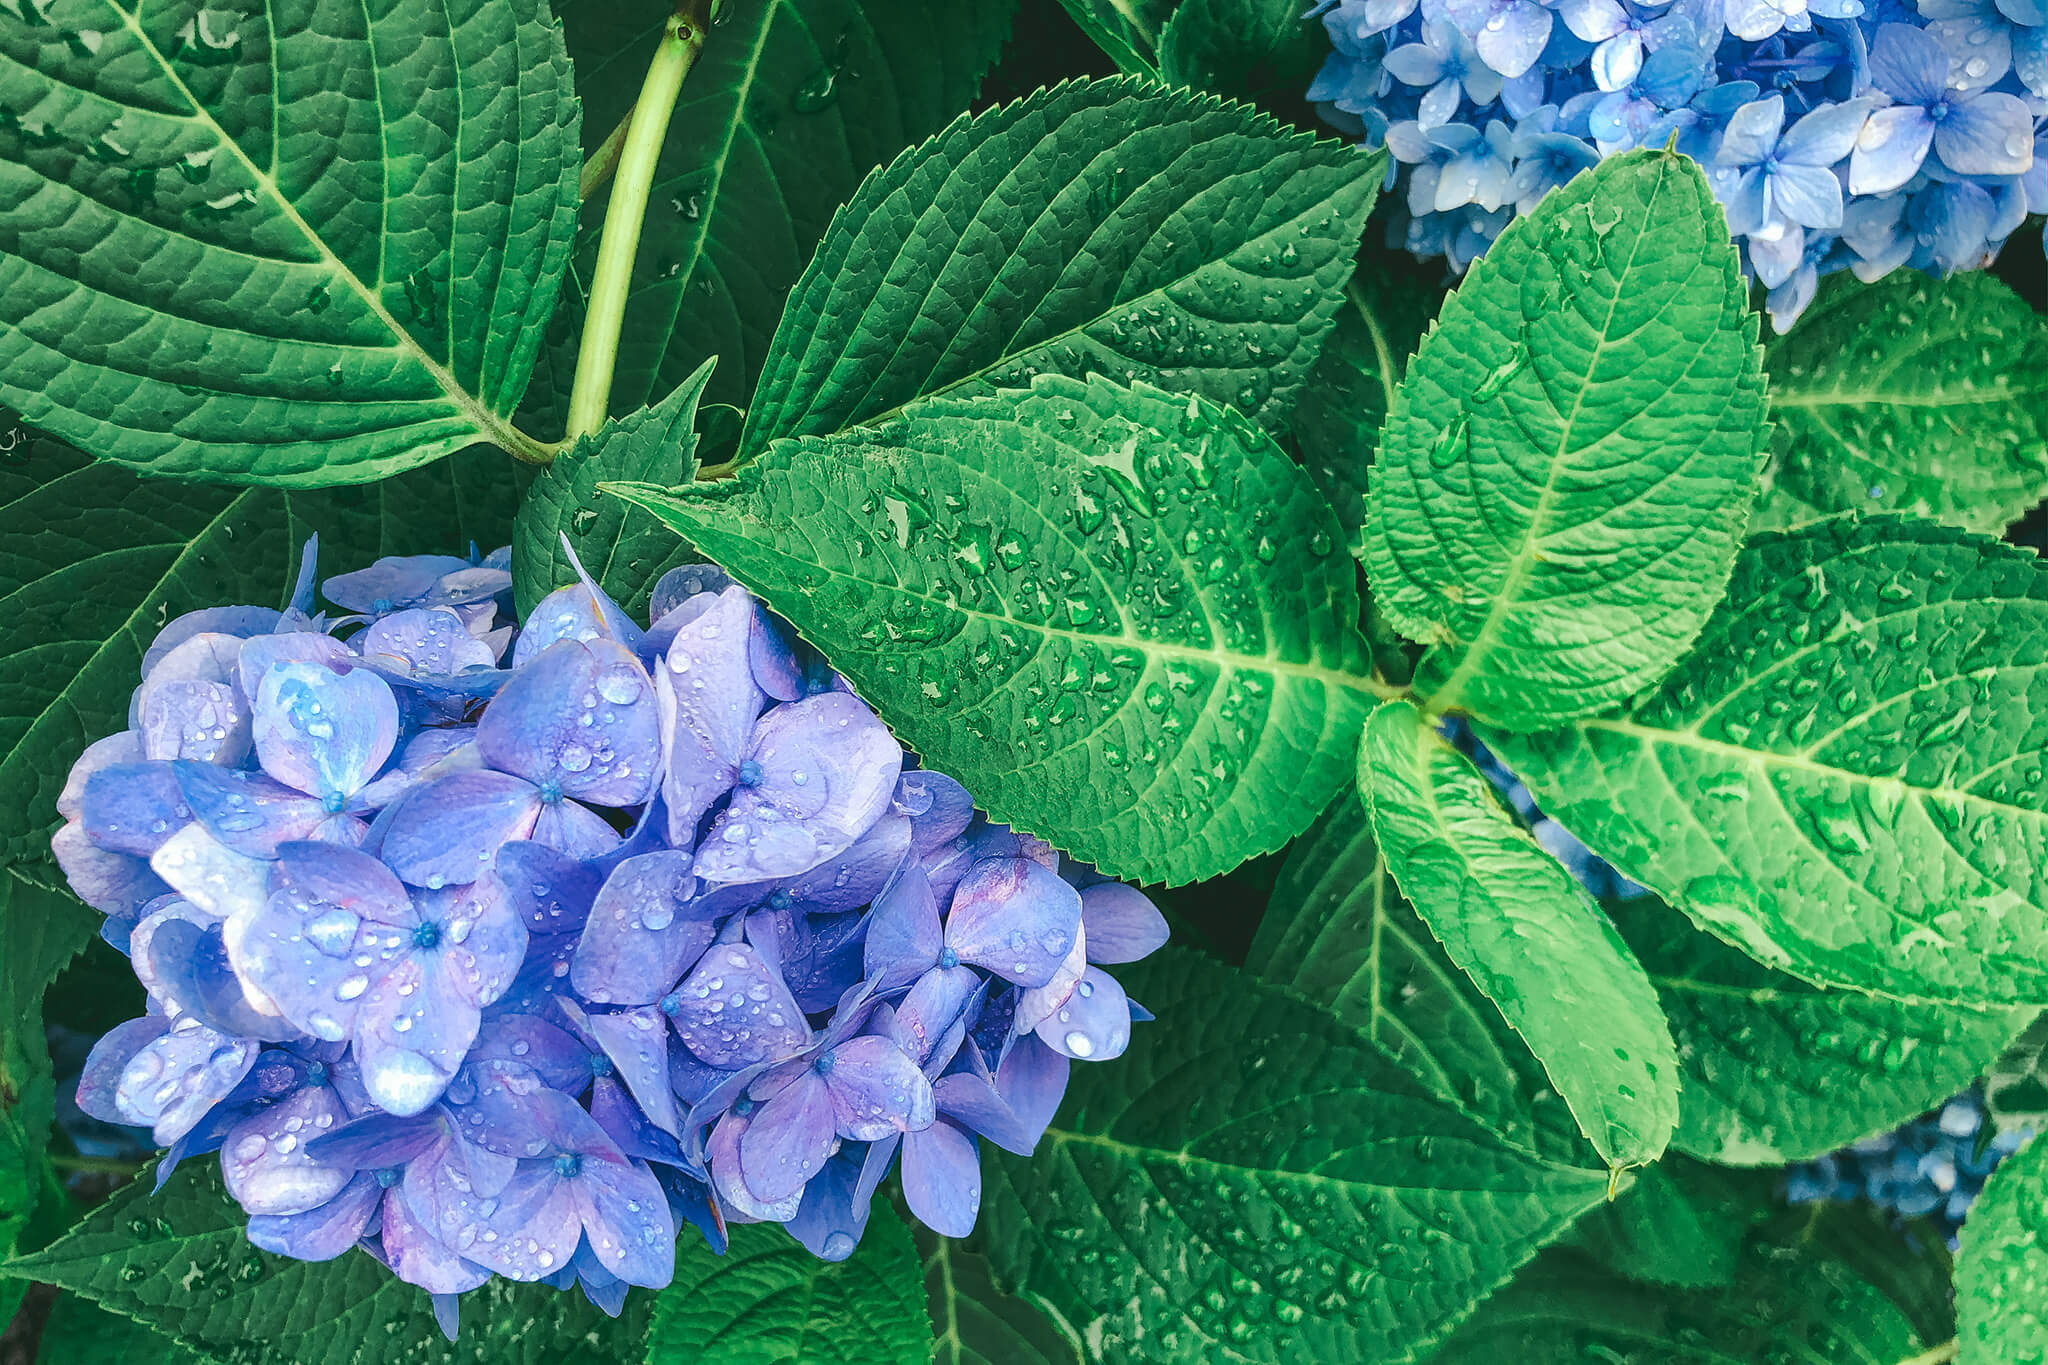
(670,1004)
(781,900)
(568,1165)
(1941,109)
(333,803)
(1770,164)
(750,773)
(382,604)
(550,792)
(823,1066)
(428,935)
(316,1073)
(600,1065)
(743,1106)
(948,959)
(388,1177)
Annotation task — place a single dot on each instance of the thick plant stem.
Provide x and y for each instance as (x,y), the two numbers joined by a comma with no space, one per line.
(605,316)
(1940,1355)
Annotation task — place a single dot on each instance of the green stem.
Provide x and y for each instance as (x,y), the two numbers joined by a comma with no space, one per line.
(106,1165)
(681,42)
(1940,1355)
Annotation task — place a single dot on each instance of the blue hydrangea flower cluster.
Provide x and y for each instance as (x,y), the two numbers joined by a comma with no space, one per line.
(1933,1167)
(1858,135)
(509,951)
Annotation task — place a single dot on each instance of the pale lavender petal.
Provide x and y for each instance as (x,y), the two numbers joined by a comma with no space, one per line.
(425,640)
(683,582)
(391,582)
(1032,1079)
(181,961)
(1752,132)
(581,720)
(709,703)
(853,878)
(410,1035)
(1808,195)
(642,933)
(116,884)
(443,832)
(549,891)
(207,722)
(735,1010)
(206,872)
(722,1158)
(831,1218)
(99,1082)
(574,830)
(934,1004)
(876,1089)
(376,1141)
(1121,923)
(942,1178)
(1015,918)
(323,1233)
(626,1217)
(1824,137)
(1095,1023)
(1992,134)
(174,1080)
(1038,1002)
(1908,64)
(940,809)
(240,622)
(133,808)
(771,654)
(264,1160)
(1513,47)
(482,942)
(790,1138)
(420,1258)
(249,812)
(1592,20)
(636,1041)
(561,1061)
(904,933)
(973,1101)
(125,746)
(329,875)
(260,653)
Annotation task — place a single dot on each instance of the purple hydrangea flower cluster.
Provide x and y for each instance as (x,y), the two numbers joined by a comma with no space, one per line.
(1858,135)
(508,951)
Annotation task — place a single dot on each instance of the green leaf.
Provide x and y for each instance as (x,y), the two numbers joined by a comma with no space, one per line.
(1338,932)
(2016,1087)
(2002,1269)
(1805,1293)
(179,1261)
(769,1299)
(1128,30)
(1102,226)
(1337,418)
(1525,932)
(1679,1224)
(219,259)
(40,931)
(94,561)
(1254,1181)
(1264,52)
(625,549)
(1910,395)
(976,1322)
(1846,778)
(791,104)
(79,1333)
(1776,1070)
(1119,616)
(1567,469)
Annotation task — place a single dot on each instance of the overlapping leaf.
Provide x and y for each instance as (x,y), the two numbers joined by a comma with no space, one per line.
(2002,1270)
(1128,30)
(2016,1086)
(1513,919)
(1262,51)
(1849,777)
(1680,1223)
(39,933)
(1102,226)
(622,547)
(190,1272)
(1910,395)
(1567,469)
(93,561)
(976,1323)
(1254,1181)
(769,1299)
(221,259)
(1120,616)
(1776,1070)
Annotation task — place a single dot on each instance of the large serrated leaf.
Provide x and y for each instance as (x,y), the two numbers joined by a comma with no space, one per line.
(1200,1201)
(1513,919)
(1338,932)
(792,102)
(1567,469)
(976,1323)
(1910,395)
(623,548)
(1847,778)
(1120,616)
(190,1272)
(1105,226)
(1262,51)
(1776,1070)
(40,931)
(300,245)
(2002,1267)
(1814,1287)
(93,561)
(768,1298)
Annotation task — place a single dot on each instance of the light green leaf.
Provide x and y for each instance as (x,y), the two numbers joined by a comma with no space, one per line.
(40,931)
(1264,52)
(1337,418)
(2002,1269)
(219,259)
(1254,1181)
(191,1273)
(791,104)
(94,561)
(1910,395)
(1525,932)
(1128,30)
(1105,226)
(1567,469)
(769,1299)
(1822,1286)
(1846,778)
(1119,616)
(2016,1087)
(977,1323)
(625,549)
(1776,1070)
(1338,932)
(1679,1223)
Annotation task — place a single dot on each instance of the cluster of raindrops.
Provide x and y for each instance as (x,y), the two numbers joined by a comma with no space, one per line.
(508,950)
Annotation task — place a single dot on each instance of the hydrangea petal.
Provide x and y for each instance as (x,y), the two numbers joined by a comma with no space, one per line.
(1992,134)
(411,1034)
(904,933)
(626,1217)
(265,1161)
(709,704)
(876,1089)
(549,891)
(1095,1023)
(207,722)
(100,1080)
(831,1218)
(1121,923)
(259,655)
(722,1157)
(132,808)
(174,1080)
(418,1257)
(249,812)
(581,717)
(1015,918)
(789,1139)
(642,933)
(942,1178)
(322,1233)
(443,832)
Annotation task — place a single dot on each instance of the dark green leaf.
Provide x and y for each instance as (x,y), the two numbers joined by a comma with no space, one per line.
(1119,616)
(622,547)
(1680,1223)
(1514,920)
(1910,395)
(39,932)
(1776,1070)
(178,1260)
(79,1333)
(1262,51)
(1568,467)
(2016,1087)
(220,259)
(791,104)
(1846,779)
(1104,226)
(1254,1181)
(768,1299)
(93,561)
(2002,1269)
(1128,30)
(1338,932)
(977,1323)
